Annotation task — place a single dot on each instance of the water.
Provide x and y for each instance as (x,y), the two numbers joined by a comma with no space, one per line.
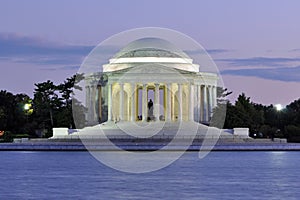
(221,175)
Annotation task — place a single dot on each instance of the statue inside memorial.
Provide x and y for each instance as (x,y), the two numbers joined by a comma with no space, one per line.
(150,110)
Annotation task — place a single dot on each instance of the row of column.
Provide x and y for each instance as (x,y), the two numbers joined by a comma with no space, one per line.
(91,101)
(133,102)
(206,98)
(199,108)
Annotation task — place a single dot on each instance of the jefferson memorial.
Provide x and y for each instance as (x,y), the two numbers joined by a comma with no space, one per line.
(148,89)
(150,80)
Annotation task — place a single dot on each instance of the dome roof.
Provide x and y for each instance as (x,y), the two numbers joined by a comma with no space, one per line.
(151,47)
(148,52)
(151,50)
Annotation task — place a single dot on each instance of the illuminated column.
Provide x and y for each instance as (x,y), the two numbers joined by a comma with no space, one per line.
(195,103)
(179,102)
(173,99)
(93,104)
(99,100)
(168,113)
(214,96)
(144,103)
(205,103)
(109,104)
(132,116)
(201,104)
(210,104)
(121,101)
(87,96)
(156,102)
(199,112)
(88,102)
(191,102)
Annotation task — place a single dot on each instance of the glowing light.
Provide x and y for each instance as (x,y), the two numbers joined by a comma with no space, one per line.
(278,107)
(27,106)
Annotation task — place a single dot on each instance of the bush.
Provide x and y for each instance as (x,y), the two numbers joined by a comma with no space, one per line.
(268,131)
(22,136)
(293,133)
(7,137)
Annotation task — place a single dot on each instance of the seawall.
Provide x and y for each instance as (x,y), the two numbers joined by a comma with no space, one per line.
(46,145)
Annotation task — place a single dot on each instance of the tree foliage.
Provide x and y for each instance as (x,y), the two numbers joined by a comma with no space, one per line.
(264,121)
(53,104)
(244,114)
(50,107)
(13,117)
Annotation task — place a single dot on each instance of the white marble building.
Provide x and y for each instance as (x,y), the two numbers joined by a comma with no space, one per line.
(153,69)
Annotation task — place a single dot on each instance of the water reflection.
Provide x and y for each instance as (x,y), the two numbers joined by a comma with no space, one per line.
(220,175)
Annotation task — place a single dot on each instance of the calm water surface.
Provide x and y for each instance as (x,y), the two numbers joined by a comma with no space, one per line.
(221,175)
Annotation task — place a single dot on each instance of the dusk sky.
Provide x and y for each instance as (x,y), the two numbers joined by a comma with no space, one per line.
(255,44)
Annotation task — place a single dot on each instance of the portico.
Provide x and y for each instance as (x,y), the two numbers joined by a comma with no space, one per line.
(178,101)
(172,101)
(179,91)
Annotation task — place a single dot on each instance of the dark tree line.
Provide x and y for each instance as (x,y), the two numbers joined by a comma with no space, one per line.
(51,106)
(13,117)
(264,121)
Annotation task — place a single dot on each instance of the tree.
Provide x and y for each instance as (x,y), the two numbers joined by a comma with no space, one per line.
(293,133)
(219,112)
(13,117)
(53,104)
(45,103)
(244,114)
(7,110)
(292,113)
(64,116)
(222,93)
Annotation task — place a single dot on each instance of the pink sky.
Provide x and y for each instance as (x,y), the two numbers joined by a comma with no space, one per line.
(255,43)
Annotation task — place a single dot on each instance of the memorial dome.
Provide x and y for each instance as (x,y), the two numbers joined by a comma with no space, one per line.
(151,50)
(151,47)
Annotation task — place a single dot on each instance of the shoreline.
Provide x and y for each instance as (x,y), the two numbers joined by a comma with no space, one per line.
(153,146)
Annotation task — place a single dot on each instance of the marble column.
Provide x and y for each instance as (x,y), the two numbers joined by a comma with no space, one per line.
(121,109)
(87,96)
(93,103)
(191,102)
(168,106)
(156,102)
(214,96)
(205,118)
(88,102)
(199,112)
(132,115)
(179,102)
(99,89)
(144,103)
(210,104)
(196,103)
(109,103)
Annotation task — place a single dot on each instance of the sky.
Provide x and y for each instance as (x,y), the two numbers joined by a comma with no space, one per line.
(255,44)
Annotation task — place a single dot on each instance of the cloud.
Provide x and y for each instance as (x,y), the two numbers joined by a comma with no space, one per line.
(293,50)
(217,51)
(209,51)
(259,61)
(16,45)
(286,74)
(23,49)
(72,68)
(48,55)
